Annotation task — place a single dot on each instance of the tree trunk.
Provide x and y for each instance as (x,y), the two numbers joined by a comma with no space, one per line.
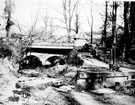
(114,33)
(91,24)
(126,32)
(105,24)
(8,26)
(132,9)
(77,24)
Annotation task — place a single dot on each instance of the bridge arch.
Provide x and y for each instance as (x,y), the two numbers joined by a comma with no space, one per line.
(53,60)
(30,62)
(48,58)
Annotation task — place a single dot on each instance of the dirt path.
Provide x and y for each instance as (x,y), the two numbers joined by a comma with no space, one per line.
(84,98)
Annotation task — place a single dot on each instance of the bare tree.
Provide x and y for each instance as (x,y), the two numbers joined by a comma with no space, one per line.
(45,20)
(52,27)
(77,25)
(105,24)
(68,13)
(126,31)
(8,10)
(132,12)
(91,23)
(114,32)
(114,15)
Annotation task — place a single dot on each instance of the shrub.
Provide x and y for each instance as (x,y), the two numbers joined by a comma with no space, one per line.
(5,51)
(73,59)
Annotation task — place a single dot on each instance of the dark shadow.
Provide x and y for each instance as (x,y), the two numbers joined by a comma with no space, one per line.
(54,60)
(30,62)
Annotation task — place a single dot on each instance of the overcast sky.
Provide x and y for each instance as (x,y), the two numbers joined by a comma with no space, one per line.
(26,11)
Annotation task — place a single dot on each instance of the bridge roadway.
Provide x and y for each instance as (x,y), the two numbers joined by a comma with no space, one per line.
(50,49)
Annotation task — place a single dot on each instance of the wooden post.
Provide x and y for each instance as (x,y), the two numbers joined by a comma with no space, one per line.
(111,60)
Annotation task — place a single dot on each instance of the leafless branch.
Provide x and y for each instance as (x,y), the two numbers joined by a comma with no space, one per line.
(35,22)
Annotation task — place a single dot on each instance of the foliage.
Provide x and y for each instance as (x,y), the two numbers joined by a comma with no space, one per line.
(121,37)
(12,48)
(9,6)
(5,51)
(8,10)
(73,59)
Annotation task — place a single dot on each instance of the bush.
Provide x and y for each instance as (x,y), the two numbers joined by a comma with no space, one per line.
(73,59)
(5,51)
(12,49)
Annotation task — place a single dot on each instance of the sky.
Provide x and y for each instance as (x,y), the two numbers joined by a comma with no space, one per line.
(25,13)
